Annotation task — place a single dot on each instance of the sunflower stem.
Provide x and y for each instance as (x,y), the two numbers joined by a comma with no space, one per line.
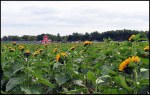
(28,72)
(135,79)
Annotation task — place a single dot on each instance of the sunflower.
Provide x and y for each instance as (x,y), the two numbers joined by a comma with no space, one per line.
(72,48)
(61,56)
(82,51)
(55,49)
(36,53)
(58,57)
(11,50)
(135,59)
(131,37)
(21,47)
(27,53)
(14,43)
(87,43)
(64,54)
(46,45)
(9,47)
(40,50)
(146,48)
(124,64)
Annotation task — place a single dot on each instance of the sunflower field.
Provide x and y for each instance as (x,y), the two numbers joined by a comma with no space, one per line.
(107,67)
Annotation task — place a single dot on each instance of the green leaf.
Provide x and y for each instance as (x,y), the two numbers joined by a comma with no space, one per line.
(145,74)
(105,69)
(111,91)
(62,78)
(40,78)
(91,76)
(143,39)
(3,64)
(121,81)
(79,60)
(131,64)
(8,72)
(112,72)
(27,90)
(143,69)
(3,92)
(75,91)
(16,67)
(41,64)
(2,82)
(74,73)
(144,81)
(34,89)
(56,65)
(99,80)
(136,38)
(13,82)
(79,82)
(102,79)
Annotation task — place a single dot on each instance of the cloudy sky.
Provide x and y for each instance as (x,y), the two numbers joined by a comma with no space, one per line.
(65,17)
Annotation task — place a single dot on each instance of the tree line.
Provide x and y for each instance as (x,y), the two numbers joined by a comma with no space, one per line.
(116,35)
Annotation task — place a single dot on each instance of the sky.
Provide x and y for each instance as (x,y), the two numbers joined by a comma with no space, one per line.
(65,17)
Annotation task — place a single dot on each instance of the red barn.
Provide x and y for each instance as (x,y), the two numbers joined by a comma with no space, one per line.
(45,39)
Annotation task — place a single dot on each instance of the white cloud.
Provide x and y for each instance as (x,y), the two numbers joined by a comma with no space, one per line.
(65,17)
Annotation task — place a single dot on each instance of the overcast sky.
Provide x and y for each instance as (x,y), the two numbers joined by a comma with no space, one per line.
(65,17)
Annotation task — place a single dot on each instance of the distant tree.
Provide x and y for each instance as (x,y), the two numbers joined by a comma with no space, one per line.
(116,35)
(5,38)
(95,36)
(87,36)
(26,37)
(32,38)
(64,38)
(147,33)
(40,37)
(70,38)
(58,37)
(9,38)
(15,38)
(76,36)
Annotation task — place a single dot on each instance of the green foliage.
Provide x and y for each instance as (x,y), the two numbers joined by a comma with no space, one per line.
(13,82)
(91,69)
